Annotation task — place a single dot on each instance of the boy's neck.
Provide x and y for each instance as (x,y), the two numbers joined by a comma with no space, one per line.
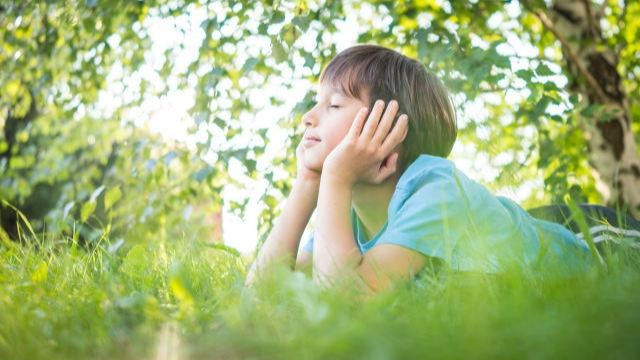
(371,203)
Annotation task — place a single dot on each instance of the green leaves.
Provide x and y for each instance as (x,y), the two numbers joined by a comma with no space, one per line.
(278,51)
(250,64)
(61,65)
(96,193)
(110,198)
(544,70)
(90,206)
(277,17)
(289,34)
(301,22)
(87,209)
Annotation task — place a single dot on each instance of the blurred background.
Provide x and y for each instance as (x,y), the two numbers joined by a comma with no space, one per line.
(129,121)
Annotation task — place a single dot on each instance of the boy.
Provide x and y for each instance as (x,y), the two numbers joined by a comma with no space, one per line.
(388,201)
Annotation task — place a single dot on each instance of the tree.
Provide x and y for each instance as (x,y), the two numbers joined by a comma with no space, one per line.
(545,118)
(592,63)
(591,59)
(64,163)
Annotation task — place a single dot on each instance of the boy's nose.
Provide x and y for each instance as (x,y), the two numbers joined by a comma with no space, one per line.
(308,119)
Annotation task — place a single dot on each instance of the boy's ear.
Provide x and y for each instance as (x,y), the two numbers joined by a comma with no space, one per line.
(391,161)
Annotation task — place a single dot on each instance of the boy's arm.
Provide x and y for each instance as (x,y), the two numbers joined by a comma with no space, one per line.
(284,239)
(336,255)
(365,154)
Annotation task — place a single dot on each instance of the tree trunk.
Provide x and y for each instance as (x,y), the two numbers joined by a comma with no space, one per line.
(592,69)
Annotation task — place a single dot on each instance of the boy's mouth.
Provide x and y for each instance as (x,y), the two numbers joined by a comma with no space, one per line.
(310,140)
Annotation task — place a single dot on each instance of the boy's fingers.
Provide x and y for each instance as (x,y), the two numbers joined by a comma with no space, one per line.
(372,122)
(356,126)
(385,124)
(396,135)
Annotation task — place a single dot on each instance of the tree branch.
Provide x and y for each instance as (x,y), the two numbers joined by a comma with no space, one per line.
(573,57)
(592,27)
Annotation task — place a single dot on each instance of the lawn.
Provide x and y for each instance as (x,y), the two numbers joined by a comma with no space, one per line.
(186,298)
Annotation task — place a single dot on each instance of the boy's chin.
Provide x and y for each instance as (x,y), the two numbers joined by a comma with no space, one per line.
(313,164)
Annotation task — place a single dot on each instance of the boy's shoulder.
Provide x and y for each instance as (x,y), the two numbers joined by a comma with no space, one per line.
(433,180)
(426,168)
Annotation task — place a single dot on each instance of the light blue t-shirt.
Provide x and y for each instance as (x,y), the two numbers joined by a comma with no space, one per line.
(438,211)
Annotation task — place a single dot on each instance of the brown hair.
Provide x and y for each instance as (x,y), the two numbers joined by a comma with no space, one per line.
(386,74)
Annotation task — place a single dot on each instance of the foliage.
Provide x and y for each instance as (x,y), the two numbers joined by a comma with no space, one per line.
(56,58)
(69,165)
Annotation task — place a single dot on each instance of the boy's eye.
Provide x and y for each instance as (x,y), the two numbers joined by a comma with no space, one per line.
(334,106)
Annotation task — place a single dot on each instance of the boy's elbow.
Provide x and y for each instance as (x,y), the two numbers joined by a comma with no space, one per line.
(304,262)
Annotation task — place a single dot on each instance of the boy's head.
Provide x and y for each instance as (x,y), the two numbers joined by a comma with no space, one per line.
(366,73)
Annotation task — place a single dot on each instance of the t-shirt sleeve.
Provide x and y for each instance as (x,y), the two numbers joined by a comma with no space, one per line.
(430,220)
(308,247)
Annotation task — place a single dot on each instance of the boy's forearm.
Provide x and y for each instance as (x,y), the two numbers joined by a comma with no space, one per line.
(334,246)
(284,239)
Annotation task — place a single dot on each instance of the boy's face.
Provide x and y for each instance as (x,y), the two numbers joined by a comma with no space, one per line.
(328,122)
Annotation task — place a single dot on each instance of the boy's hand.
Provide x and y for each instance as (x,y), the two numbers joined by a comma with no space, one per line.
(364,155)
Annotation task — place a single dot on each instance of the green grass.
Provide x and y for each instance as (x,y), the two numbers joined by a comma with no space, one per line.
(62,301)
